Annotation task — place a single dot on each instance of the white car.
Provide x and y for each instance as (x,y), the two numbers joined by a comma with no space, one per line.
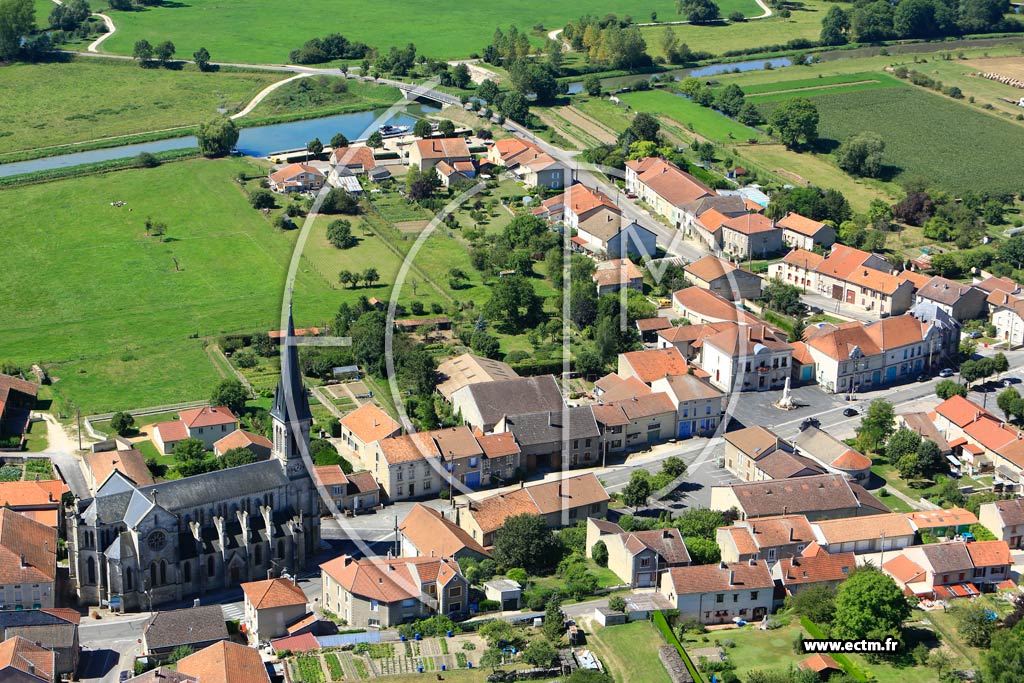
(946,372)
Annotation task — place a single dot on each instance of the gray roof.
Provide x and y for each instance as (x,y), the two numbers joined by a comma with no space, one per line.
(818,493)
(947,557)
(948,292)
(203,489)
(729,205)
(107,509)
(169,629)
(36,625)
(494,400)
(531,429)
(291,405)
(138,506)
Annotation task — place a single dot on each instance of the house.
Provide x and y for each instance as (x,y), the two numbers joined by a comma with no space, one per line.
(665,187)
(297,178)
(358,491)
(454,172)
(860,535)
(533,166)
(613,387)
(364,426)
(700,407)
(270,607)
(756,453)
(765,538)
(195,627)
(652,364)
(1005,519)
(799,232)
(506,592)
(611,422)
(130,463)
(562,502)
(542,443)
(1008,317)
(689,338)
(650,419)
(751,236)
(950,570)
(649,328)
(638,558)
(981,439)
(959,300)
(944,522)
(28,562)
(821,496)
(37,500)
(482,405)
(208,424)
(823,665)
(832,454)
(922,425)
(22,661)
(706,228)
(378,592)
(225,662)
(407,466)
(751,357)
(812,568)
(427,153)
(17,399)
(467,368)
(723,278)
(856,356)
(357,160)
(258,444)
(608,236)
(718,593)
(701,306)
(611,276)
(54,629)
(426,532)
(797,268)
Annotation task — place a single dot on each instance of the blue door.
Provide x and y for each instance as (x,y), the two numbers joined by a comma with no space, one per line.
(876,377)
(684,429)
(473,479)
(890,374)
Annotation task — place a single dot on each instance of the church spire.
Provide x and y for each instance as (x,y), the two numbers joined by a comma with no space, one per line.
(291,393)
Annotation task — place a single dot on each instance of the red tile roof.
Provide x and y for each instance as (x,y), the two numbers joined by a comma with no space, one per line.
(170,431)
(291,170)
(17,653)
(808,260)
(750,224)
(240,438)
(960,411)
(713,578)
(842,261)
(389,579)
(990,553)
(443,148)
(654,364)
(28,550)
(225,662)
(272,593)
(797,223)
(207,416)
(369,423)
(816,568)
(434,535)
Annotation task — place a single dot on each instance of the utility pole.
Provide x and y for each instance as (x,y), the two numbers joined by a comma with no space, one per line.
(396,536)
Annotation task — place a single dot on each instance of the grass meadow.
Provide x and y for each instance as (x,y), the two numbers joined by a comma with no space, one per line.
(631,652)
(264,32)
(701,120)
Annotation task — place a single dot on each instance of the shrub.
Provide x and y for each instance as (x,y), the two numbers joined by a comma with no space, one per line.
(122,423)
(489,606)
(146,160)
(617,603)
(262,199)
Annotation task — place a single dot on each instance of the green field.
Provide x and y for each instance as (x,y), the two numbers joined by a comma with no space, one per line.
(85,99)
(258,31)
(927,135)
(702,120)
(630,651)
(764,92)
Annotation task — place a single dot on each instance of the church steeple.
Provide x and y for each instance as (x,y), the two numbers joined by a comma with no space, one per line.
(290,412)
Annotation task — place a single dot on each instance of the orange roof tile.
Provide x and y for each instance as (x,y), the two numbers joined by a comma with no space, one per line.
(818,663)
(712,578)
(673,184)
(850,529)
(750,224)
(931,519)
(960,411)
(435,536)
(904,570)
(817,568)
(272,593)
(369,423)
(353,156)
(842,261)
(225,662)
(989,553)
(130,463)
(654,364)
(389,579)
(409,448)
(207,416)
(27,657)
(443,148)
(291,170)
(797,223)
(172,430)
(24,539)
(43,493)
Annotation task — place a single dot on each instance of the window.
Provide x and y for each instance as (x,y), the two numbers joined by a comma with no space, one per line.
(374,606)
(595,507)
(426,484)
(455,592)
(735,597)
(588,442)
(399,478)
(753,595)
(373,622)
(572,513)
(720,598)
(645,562)
(575,443)
(473,462)
(187,572)
(409,602)
(654,426)
(210,568)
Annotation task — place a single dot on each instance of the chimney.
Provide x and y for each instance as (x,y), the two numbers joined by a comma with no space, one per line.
(791,534)
(666,533)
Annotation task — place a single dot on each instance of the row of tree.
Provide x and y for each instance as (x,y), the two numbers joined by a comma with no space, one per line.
(869,22)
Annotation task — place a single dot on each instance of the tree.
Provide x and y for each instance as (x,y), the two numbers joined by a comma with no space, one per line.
(315,147)
(730,99)
(703,550)
(122,423)
(698,11)
(592,85)
(447,128)
(514,302)
(699,522)
(202,58)
(638,490)
(487,91)
(370,276)
(835,26)
(539,652)
(236,457)
(943,265)
(868,605)
(673,466)
(338,140)
(231,394)
(339,201)
(948,388)
(817,603)
(492,657)
(339,233)
(1001,662)
(861,154)
(262,199)
(599,553)
(876,426)
(17,23)
(516,107)
(554,620)
(526,541)
(974,622)
(644,127)
(164,51)
(143,51)
(617,603)
(217,137)
(749,115)
(499,633)
(376,140)
(461,77)
(189,450)
(422,128)
(1009,401)
(795,122)
(900,443)
(179,653)
(487,345)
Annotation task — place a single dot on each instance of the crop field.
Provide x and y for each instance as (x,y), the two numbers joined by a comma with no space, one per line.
(702,120)
(265,32)
(927,135)
(104,98)
(766,92)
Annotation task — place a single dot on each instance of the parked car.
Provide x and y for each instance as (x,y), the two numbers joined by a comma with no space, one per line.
(976,335)
(125,675)
(849,412)
(922,377)
(631,195)
(946,372)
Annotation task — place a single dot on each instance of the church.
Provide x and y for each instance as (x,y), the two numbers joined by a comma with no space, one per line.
(136,547)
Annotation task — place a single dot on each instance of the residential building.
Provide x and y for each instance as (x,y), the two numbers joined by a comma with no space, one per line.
(718,593)
(959,300)
(799,232)
(358,492)
(613,387)
(455,172)
(482,405)
(357,160)
(747,358)
(225,662)
(765,538)
(818,497)
(701,306)
(797,268)
(832,454)
(257,444)
(822,665)
(378,592)
(950,570)
(543,444)
(194,627)
(271,606)
(37,500)
(17,399)
(99,466)
(533,166)
(467,368)
(706,228)
(562,502)
(651,419)
(812,568)
(364,426)
(54,629)
(28,562)
(427,153)
(652,364)
(426,532)
(208,424)
(861,535)
(722,277)
(700,407)
(649,328)
(689,338)
(606,236)
(638,557)
(297,178)
(611,276)
(22,661)
(611,422)
(751,236)
(944,522)
(665,187)
(922,425)
(1008,317)
(407,466)
(758,454)
(1005,519)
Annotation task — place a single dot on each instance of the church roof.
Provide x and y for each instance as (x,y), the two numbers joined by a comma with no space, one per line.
(290,400)
(211,487)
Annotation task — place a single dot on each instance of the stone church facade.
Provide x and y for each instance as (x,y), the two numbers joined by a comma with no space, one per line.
(137,547)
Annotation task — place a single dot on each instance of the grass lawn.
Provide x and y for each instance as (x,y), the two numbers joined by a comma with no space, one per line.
(103,306)
(37,440)
(607,112)
(702,120)
(766,92)
(630,651)
(105,98)
(316,96)
(263,32)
